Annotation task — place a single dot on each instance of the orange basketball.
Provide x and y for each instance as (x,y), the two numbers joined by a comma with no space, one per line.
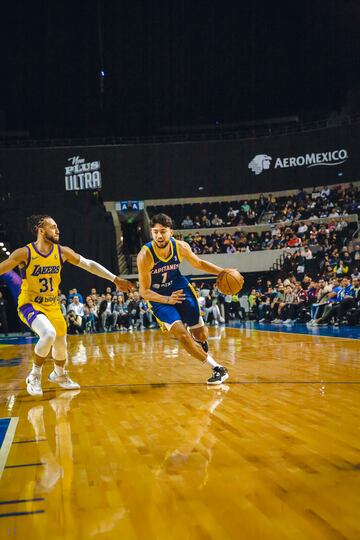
(230,281)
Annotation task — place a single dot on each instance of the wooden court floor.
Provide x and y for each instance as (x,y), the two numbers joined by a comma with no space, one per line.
(146,451)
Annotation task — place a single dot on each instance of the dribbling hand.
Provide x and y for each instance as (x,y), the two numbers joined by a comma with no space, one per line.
(123,285)
(176,298)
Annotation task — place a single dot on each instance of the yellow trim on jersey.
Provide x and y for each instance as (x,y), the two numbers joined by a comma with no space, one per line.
(194,293)
(160,323)
(158,256)
(149,250)
(178,251)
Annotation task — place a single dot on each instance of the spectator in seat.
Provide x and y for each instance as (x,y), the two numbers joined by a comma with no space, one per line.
(217,221)
(231,215)
(74,323)
(74,292)
(107,313)
(236,309)
(89,321)
(187,223)
(245,207)
(307,253)
(123,317)
(302,230)
(134,310)
(340,269)
(78,308)
(294,241)
(146,316)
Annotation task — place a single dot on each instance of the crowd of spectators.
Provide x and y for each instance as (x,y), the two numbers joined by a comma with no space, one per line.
(109,311)
(334,300)
(295,234)
(327,201)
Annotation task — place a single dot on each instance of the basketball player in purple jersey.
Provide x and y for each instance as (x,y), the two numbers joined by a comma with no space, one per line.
(40,265)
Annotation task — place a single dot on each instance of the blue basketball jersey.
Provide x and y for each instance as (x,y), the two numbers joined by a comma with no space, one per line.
(165,274)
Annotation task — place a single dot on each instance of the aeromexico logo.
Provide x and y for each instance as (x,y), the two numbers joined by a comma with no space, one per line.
(82,175)
(262,162)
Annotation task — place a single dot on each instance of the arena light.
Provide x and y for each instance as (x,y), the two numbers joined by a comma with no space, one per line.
(7,252)
(1,244)
(4,248)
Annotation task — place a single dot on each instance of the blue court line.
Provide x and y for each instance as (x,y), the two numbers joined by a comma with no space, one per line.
(11,514)
(342,332)
(23,465)
(7,433)
(29,441)
(23,500)
(4,424)
(17,340)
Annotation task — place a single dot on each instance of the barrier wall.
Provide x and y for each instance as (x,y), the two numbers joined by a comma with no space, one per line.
(255,261)
(169,170)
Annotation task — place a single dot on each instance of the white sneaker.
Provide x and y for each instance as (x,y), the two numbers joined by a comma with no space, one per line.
(288,321)
(63,380)
(33,385)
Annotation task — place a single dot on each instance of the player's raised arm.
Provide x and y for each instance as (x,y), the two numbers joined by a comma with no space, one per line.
(95,268)
(144,263)
(15,258)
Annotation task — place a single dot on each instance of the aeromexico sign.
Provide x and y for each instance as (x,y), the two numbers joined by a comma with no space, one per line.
(263,162)
(82,175)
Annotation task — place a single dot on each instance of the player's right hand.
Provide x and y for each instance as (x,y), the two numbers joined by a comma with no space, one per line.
(177,297)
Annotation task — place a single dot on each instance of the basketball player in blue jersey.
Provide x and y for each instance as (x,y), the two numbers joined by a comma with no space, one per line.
(171,297)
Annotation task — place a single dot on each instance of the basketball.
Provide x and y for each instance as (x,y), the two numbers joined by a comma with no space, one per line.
(230,281)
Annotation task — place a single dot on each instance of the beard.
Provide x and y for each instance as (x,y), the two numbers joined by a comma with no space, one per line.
(162,244)
(51,239)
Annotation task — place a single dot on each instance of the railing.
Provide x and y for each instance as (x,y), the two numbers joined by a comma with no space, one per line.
(217,134)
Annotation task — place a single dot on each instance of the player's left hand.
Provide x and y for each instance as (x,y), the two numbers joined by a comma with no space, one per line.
(123,285)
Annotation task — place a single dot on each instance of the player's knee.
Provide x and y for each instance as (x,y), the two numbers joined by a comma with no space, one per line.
(49,336)
(181,333)
(201,334)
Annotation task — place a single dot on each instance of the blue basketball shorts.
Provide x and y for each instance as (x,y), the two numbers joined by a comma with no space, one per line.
(187,312)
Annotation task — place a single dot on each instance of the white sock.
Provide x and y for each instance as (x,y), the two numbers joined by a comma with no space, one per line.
(36,370)
(211,361)
(59,370)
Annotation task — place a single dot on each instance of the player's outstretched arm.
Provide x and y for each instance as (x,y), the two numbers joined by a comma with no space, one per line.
(15,258)
(196,262)
(144,264)
(95,268)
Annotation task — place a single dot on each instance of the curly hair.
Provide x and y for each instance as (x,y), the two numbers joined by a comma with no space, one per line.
(36,221)
(161,219)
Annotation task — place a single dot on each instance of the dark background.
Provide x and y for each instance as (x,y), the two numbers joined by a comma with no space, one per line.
(174,63)
(178,169)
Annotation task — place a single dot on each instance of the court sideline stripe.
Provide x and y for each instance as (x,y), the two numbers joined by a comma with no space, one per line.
(24,465)
(12,514)
(29,441)
(23,500)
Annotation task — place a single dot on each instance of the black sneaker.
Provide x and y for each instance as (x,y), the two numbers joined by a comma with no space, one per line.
(219,375)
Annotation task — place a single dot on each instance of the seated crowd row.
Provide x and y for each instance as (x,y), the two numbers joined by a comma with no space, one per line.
(309,237)
(331,201)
